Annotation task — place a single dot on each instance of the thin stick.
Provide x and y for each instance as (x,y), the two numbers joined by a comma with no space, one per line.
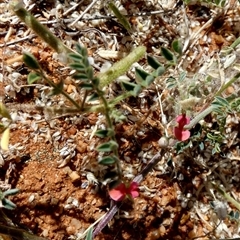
(85,11)
(17,41)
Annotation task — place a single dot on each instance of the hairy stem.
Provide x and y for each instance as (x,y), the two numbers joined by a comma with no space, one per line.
(121,67)
(40,30)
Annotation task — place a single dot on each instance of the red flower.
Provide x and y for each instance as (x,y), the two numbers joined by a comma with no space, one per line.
(180,133)
(121,191)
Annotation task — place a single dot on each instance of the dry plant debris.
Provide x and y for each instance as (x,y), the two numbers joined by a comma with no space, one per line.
(52,159)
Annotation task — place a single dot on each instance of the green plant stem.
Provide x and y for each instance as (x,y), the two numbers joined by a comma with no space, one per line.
(118,99)
(110,125)
(200,116)
(62,92)
(226,85)
(121,67)
(227,196)
(235,43)
(211,108)
(40,30)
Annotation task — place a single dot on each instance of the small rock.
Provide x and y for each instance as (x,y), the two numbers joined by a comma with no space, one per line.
(74,176)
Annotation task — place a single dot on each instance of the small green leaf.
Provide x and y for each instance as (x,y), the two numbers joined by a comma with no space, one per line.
(8,204)
(93,97)
(95,82)
(75,57)
(5,139)
(141,75)
(136,90)
(58,89)
(89,72)
(102,133)
(86,62)
(122,19)
(33,77)
(159,71)
(128,86)
(220,102)
(81,50)
(11,192)
(108,160)
(153,62)
(132,87)
(31,61)
(149,80)
(80,76)
(167,54)
(78,67)
(108,146)
(182,76)
(86,86)
(171,82)
(223,101)
(90,234)
(177,46)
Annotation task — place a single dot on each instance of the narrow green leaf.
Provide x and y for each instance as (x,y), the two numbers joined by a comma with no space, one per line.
(86,86)
(78,67)
(182,76)
(11,192)
(144,78)
(177,46)
(93,97)
(171,82)
(95,82)
(31,61)
(75,57)
(80,76)
(153,62)
(33,77)
(128,86)
(107,147)
(149,80)
(158,72)
(108,160)
(89,72)
(90,234)
(221,102)
(141,76)
(102,133)
(8,204)
(122,19)
(86,62)
(81,50)
(136,90)
(167,54)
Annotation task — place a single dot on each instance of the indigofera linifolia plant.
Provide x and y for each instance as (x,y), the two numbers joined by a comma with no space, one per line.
(92,88)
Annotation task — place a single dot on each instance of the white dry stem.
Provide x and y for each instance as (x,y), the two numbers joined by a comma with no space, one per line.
(85,11)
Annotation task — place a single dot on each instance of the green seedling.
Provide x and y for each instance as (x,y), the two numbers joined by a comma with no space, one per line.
(4,202)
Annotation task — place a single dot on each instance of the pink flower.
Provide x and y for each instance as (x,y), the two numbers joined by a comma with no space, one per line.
(121,191)
(180,133)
